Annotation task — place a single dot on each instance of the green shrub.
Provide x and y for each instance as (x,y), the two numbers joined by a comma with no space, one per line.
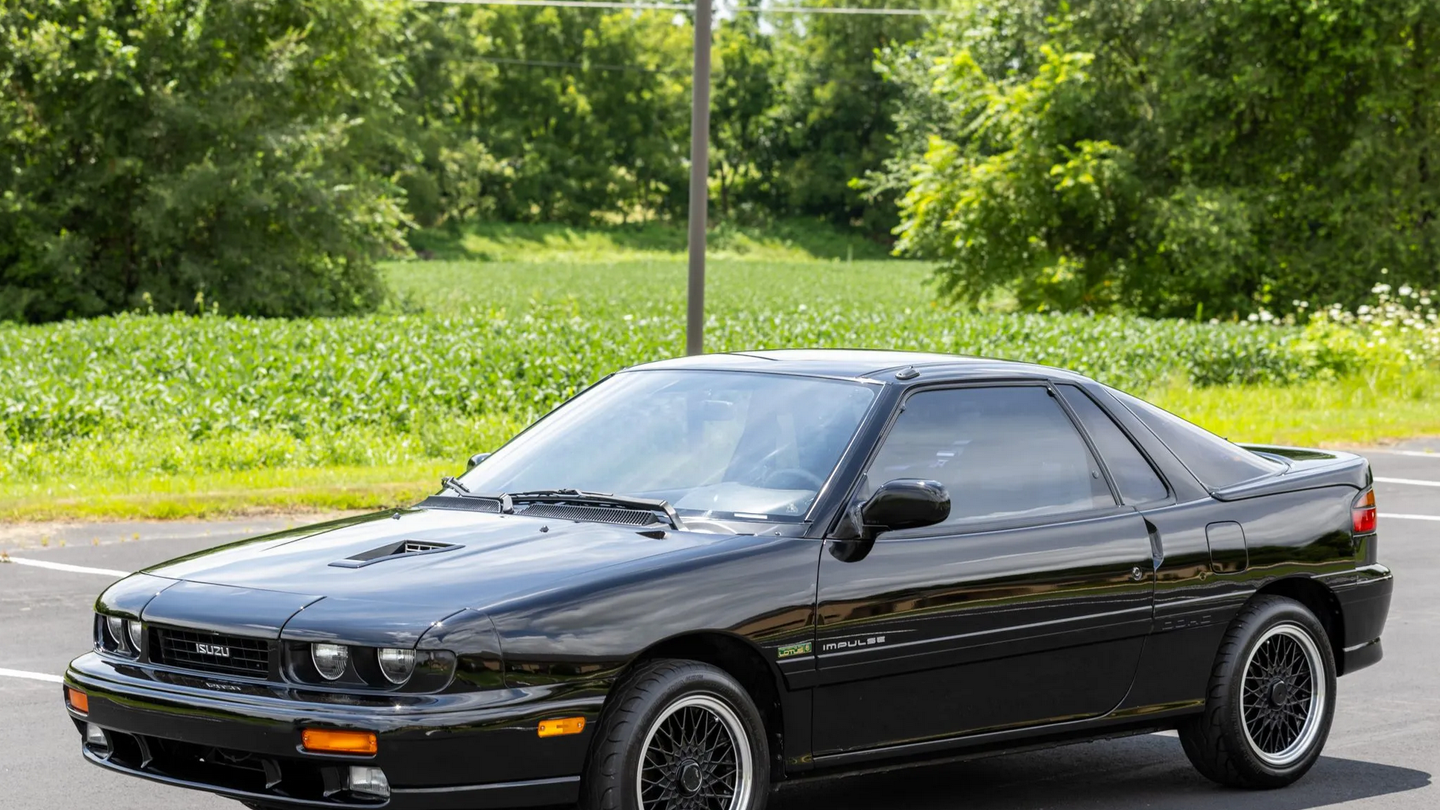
(195,152)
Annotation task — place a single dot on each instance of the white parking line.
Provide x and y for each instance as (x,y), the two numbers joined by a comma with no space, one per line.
(1414,482)
(1387,516)
(1412,453)
(32,676)
(74,569)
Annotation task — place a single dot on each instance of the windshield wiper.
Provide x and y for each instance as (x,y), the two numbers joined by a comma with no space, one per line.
(453,484)
(602,499)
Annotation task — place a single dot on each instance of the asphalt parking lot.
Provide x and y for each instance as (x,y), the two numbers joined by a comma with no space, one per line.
(1383,749)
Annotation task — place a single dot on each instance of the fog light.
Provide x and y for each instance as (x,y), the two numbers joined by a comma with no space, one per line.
(370,781)
(95,739)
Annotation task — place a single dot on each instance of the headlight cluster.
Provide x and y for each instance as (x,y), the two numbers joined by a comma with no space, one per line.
(119,635)
(320,663)
(384,667)
(333,660)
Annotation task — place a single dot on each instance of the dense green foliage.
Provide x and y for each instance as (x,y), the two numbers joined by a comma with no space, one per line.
(1172,157)
(259,155)
(1159,157)
(544,114)
(183,151)
(582,115)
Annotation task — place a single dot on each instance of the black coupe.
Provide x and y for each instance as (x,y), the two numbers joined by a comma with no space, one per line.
(702,578)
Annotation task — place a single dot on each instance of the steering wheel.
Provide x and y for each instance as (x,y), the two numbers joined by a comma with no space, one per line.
(811,480)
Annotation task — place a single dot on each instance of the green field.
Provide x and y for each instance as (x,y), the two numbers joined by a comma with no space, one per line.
(170,416)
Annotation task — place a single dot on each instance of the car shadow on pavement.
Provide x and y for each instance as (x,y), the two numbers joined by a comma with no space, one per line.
(1138,772)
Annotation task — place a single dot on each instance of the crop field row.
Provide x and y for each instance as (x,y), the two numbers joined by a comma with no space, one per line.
(508,351)
(472,351)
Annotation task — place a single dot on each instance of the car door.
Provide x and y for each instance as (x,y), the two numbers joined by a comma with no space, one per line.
(1028,605)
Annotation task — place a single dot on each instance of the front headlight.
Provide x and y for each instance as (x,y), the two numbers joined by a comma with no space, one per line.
(397,665)
(115,631)
(115,626)
(118,635)
(331,660)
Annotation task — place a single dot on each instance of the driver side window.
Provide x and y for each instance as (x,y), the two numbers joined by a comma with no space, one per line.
(999,451)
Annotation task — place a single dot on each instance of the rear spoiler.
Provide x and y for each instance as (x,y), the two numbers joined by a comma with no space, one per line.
(1304,469)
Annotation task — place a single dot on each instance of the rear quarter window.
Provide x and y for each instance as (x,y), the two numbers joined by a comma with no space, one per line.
(1216,462)
(1134,477)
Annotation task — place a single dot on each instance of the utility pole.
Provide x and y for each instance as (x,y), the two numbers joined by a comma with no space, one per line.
(699,179)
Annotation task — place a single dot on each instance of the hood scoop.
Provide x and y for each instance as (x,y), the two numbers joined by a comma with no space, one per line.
(391,551)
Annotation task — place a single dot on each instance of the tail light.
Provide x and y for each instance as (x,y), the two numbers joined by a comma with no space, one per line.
(1363,515)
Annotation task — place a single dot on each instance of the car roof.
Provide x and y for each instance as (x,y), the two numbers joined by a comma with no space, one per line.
(873,364)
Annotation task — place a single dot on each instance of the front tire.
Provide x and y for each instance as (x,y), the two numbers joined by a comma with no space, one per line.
(1271,699)
(678,735)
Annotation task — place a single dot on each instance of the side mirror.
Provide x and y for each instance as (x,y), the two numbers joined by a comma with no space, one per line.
(475,461)
(905,503)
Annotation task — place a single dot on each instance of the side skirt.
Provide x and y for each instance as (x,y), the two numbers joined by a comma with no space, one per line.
(995,743)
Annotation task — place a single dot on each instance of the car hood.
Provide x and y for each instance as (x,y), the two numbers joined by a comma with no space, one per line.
(486,557)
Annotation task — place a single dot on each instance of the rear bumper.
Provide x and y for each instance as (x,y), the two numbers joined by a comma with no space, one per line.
(1364,606)
(478,750)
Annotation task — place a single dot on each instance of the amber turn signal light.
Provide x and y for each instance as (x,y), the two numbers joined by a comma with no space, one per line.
(338,742)
(561,728)
(78,700)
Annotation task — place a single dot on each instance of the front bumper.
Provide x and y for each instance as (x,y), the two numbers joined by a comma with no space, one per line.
(464,750)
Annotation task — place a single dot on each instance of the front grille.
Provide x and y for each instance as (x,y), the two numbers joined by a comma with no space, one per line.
(211,652)
(593,514)
(259,777)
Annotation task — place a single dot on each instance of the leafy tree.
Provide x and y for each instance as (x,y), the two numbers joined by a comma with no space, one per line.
(546,114)
(837,116)
(1171,157)
(744,116)
(183,150)
(447,171)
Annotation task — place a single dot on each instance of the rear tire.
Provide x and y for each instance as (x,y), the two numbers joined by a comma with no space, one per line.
(1271,698)
(674,734)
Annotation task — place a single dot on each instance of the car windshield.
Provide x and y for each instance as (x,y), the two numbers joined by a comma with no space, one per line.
(723,445)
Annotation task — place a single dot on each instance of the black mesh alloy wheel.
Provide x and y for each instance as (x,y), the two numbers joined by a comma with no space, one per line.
(695,758)
(1281,695)
(1271,698)
(678,735)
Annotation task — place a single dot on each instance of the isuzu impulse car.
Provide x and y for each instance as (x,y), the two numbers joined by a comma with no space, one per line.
(702,578)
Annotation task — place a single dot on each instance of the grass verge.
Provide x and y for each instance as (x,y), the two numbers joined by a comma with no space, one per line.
(787,240)
(1364,409)
(251,492)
